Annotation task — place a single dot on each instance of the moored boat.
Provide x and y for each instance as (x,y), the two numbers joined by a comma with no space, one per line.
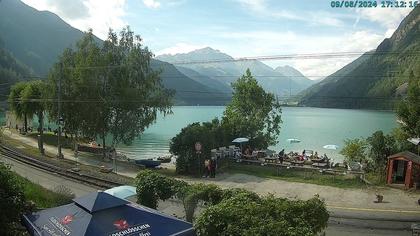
(148,163)
(165,159)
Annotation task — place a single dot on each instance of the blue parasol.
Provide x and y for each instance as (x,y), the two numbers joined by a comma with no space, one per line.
(103,214)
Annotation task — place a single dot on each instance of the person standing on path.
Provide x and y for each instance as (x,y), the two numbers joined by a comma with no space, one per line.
(206,168)
(212,167)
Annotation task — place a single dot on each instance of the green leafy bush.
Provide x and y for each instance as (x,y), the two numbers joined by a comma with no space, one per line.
(235,192)
(13,201)
(152,187)
(209,134)
(191,195)
(245,215)
(64,195)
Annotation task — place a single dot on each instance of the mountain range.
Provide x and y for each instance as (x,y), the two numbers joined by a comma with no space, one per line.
(37,38)
(207,63)
(11,71)
(31,42)
(371,81)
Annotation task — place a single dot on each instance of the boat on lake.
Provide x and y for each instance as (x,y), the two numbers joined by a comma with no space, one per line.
(165,159)
(148,163)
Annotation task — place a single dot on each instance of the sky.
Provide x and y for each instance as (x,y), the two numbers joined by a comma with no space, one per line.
(240,28)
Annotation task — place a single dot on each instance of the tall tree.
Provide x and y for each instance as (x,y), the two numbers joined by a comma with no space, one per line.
(355,150)
(409,109)
(15,102)
(380,147)
(77,87)
(33,103)
(253,113)
(110,89)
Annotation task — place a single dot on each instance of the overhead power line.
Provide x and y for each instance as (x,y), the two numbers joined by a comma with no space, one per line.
(263,58)
(174,76)
(293,56)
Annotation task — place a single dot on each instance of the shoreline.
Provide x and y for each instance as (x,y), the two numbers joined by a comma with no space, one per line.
(333,196)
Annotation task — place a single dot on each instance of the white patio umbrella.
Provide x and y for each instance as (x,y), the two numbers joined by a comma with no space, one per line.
(293,140)
(415,141)
(331,147)
(240,141)
(122,192)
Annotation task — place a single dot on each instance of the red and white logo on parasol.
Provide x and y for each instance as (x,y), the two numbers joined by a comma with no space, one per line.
(121,224)
(66,219)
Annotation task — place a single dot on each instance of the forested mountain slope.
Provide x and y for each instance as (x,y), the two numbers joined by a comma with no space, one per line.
(371,80)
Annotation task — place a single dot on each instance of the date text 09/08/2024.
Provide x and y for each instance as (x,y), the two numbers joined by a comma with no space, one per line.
(373,4)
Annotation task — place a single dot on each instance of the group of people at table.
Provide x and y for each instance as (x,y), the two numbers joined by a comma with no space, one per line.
(282,156)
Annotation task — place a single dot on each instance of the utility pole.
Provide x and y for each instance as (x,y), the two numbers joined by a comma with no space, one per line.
(60,155)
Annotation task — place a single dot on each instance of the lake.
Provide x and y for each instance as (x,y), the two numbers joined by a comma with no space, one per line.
(315,127)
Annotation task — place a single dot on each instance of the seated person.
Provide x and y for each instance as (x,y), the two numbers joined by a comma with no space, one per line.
(247,153)
(316,155)
(281,153)
(237,155)
(281,156)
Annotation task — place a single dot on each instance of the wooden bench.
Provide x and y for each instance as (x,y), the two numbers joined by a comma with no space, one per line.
(297,163)
(320,165)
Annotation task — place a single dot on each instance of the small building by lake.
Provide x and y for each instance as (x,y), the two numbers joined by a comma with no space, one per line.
(403,169)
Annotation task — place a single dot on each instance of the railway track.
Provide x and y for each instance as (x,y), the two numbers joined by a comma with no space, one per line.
(67,173)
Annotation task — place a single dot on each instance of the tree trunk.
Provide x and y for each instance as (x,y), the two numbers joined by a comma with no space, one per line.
(103,145)
(25,123)
(41,132)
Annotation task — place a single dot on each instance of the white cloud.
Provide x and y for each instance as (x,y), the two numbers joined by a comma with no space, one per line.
(259,43)
(151,3)
(387,17)
(359,41)
(85,14)
(179,48)
(390,18)
(262,8)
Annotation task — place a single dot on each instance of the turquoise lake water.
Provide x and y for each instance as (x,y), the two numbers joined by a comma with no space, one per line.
(315,127)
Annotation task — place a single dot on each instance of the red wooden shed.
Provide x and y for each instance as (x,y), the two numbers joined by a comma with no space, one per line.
(403,169)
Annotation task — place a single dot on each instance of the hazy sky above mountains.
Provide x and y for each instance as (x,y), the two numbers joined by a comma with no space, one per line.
(239,28)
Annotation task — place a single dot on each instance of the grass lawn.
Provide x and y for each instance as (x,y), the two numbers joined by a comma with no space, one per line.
(63,163)
(42,197)
(51,139)
(296,175)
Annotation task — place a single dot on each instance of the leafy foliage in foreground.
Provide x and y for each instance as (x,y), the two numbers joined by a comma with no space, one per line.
(192,194)
(152,187)
(13,200)
(234,211)
(245,215)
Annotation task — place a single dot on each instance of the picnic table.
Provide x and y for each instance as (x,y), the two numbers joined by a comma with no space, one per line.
(317,160)
(300,163)
(271,159)
(320,165)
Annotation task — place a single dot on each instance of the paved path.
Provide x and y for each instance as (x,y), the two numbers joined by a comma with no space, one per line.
(395,199)
(47,180)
